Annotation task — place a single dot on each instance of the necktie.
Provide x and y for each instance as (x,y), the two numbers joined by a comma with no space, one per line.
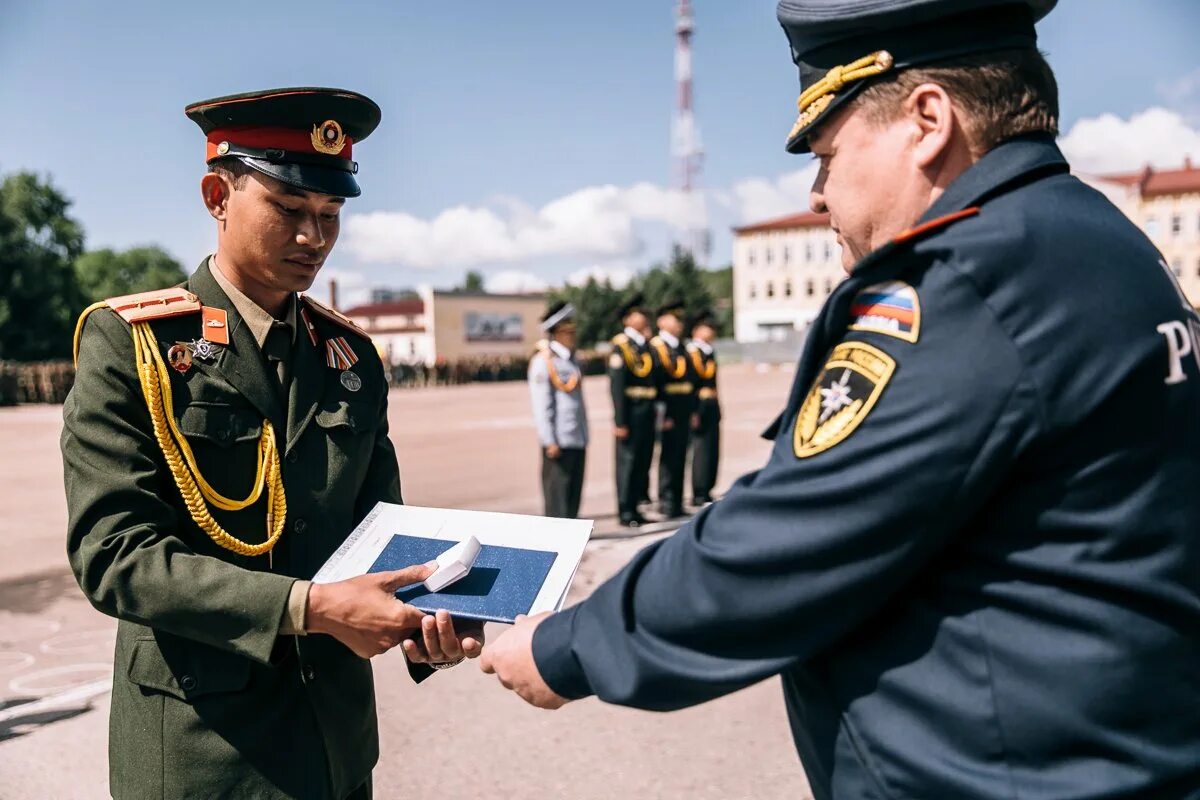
(278,351)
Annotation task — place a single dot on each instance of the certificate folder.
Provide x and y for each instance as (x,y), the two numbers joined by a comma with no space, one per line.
(525,564)
(503,582)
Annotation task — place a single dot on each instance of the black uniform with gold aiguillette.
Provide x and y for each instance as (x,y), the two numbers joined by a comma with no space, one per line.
(706,435)
(677,393)
(632,381)
(200,489)
(973,554)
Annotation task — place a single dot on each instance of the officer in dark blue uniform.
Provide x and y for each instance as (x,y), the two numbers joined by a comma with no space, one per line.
(974,552)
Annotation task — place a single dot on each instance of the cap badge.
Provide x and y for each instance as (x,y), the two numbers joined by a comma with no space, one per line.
(328,137)
(222,148)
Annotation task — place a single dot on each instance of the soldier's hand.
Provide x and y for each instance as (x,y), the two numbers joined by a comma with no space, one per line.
(443,640)
(553,451)
(510,658)
(363,613)
(621,432)
(668,424)
(695,422)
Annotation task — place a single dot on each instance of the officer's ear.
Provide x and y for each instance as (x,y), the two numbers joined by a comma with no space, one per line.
(936,128)
(215,189)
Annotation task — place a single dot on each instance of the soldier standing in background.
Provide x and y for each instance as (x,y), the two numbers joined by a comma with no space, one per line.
(706,420)
(677,392)
(631,375)
(556,388)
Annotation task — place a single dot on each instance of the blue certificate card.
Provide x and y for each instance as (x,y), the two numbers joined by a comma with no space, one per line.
(503,583)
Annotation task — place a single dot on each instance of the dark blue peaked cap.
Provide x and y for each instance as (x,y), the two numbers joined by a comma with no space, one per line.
(840,45)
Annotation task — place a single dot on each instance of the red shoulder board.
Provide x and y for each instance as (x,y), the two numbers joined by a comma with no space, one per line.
(159,304)
(933,225)
(337,319)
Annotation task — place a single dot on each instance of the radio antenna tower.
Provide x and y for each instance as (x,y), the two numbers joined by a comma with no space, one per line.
(685,138)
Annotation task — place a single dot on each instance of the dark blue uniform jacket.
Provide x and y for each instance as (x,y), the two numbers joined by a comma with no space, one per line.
(974,553)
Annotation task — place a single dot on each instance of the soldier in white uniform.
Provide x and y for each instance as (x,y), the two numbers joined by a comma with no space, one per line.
(556,388)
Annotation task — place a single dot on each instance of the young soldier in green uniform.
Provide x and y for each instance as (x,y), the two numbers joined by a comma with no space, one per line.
(706,421)
(221,440)
(677,393)
(632,380)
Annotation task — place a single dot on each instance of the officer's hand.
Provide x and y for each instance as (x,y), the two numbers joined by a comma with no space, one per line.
(510,658)
(621,432)
(553,451)
(363,613)
(668,424)
(443,640)
(695,422)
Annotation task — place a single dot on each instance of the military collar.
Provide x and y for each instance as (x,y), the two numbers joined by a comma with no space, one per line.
(560,350)
(636,336)
(668,338)
(704,346)
(257,320)
(1020,158)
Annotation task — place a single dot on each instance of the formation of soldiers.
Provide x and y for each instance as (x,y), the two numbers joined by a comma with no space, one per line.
(664,392)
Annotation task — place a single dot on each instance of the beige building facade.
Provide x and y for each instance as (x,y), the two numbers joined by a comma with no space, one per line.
(451,326)
(785,268)
(1166,205)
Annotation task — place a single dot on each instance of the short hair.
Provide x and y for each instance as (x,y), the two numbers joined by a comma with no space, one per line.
(236,170)
(1002,94)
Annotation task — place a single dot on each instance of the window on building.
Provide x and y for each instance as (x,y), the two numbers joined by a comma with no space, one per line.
(750,256)
(828,251)
(1177,267)
(1151,226)
(1198,269)
(829,286)
(412,347)
(808,252)
(770,289)
(787,254)
(787,288)
(768,254)
(810,287)
(750,292)
(1176,224)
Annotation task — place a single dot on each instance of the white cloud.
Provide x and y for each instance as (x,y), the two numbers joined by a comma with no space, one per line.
(1157,136)
(593,222)
(619,276)
(514,281)
(1182,93)
(757,199)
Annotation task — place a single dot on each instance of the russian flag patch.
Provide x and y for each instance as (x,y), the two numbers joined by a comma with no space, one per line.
(890,308)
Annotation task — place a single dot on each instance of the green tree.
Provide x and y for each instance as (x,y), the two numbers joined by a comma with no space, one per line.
(39,295)
(681,279)
(105,273)
(472,282)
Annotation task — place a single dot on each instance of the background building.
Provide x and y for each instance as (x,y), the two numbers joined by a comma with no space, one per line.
(452,325)
(783,269)
(1166,205)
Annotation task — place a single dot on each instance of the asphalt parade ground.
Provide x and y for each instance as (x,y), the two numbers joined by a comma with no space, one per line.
(458,736)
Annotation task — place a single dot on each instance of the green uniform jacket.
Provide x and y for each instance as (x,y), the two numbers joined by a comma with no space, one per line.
(208,699)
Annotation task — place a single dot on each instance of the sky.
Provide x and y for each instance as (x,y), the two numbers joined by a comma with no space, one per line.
(529,140)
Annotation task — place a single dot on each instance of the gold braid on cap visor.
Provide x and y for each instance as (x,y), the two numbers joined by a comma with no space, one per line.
(817,97)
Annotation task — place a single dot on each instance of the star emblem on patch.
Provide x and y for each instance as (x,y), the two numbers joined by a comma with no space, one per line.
(841,397)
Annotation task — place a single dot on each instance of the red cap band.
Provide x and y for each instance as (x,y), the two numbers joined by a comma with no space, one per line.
(287,139)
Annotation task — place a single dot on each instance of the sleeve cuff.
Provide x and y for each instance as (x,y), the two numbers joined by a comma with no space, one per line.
(555,657)
(292,623)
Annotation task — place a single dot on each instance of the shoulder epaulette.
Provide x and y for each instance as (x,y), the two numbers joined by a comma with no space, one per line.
(334,317)
(691,348)
(158,304)
(541,345)
(620,338)
(657,341)
(934,225)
